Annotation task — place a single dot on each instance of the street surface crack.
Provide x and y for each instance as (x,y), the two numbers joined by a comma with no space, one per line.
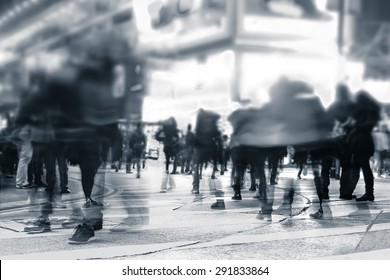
(367,230)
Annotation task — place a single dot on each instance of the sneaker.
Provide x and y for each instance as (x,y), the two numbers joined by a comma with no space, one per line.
(65,190)
(366,197)
(24,187)
(195,191)
(91,203)
(39,226)
(317,215)
(237,197)
(253,188)
(264,217)
(128,225)
(82,234)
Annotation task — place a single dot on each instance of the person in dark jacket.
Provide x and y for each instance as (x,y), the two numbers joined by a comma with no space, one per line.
(169,135)
(208,143)
(190,147)
(137,144)
(340,112)
(366,117)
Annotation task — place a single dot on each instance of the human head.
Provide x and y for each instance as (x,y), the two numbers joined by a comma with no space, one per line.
(364,100)
(343,93)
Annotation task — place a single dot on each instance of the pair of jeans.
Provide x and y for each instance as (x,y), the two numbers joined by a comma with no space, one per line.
(25,156)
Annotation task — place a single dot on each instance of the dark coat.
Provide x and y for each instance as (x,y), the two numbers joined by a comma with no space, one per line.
(366,116)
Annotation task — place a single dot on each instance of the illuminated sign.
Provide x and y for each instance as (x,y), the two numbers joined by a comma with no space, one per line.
(182,26)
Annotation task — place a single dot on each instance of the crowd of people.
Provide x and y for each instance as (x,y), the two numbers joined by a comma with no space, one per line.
(40,138)
(70,116)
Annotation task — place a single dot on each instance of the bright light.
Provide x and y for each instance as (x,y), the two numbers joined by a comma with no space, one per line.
(6,56)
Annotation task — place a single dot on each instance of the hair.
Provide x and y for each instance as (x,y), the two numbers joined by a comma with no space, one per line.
(365,100)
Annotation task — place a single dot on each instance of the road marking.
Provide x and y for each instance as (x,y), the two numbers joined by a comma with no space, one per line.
(100,253)
(291,235)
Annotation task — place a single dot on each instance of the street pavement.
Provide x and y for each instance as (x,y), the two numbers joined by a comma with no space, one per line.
(183,226)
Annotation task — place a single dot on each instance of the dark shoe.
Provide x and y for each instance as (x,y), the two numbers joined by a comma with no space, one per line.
(24,187)
(138,176)
(366,197)
(218,205)
(65,190)
(237,196)
(173,173)
(347,197)
(91,203)
(253,188)
(222,172)
(39,226)
(325,196)
(317,215)
(83,234)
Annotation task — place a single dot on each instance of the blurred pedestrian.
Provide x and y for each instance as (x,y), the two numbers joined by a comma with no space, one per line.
(137,144)
(168,135)
(366,117)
